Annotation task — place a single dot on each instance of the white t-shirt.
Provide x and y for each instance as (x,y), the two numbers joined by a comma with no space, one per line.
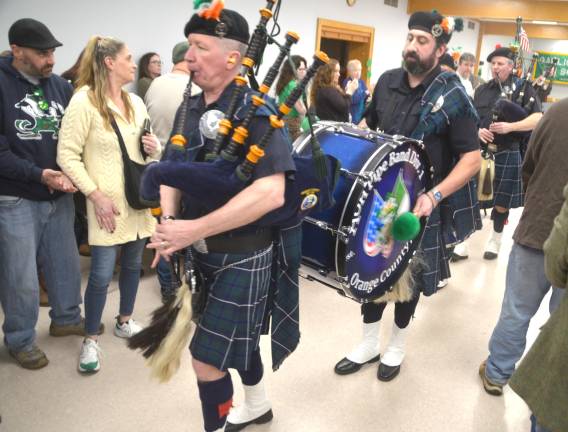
(162,100)
(467,85)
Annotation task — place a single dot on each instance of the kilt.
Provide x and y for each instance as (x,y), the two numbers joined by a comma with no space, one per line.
(284,305)
(229,329)
(432,260)
(508,185)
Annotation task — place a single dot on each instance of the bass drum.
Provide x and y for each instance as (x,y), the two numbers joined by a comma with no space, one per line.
(350,245)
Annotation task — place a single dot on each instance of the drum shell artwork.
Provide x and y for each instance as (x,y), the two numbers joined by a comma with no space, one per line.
(356,256)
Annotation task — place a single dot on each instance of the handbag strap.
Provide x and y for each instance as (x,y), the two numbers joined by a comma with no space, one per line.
(125,157)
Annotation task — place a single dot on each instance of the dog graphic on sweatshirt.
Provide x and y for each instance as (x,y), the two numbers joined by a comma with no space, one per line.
(47,121)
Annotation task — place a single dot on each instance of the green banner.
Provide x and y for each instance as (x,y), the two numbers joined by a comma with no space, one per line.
(544,62)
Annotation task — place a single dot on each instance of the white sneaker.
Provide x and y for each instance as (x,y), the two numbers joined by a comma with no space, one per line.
(442,283)
(89,358)
(127,329)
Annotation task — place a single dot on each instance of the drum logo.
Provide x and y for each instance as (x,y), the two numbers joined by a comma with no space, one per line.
(310,198)
(378,238)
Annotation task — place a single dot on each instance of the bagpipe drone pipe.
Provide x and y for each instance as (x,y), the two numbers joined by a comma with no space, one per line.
(214,183)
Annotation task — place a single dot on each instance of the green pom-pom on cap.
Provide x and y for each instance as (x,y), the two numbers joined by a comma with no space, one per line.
(458,24)
(406,227)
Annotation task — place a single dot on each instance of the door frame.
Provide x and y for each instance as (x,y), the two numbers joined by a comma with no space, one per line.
(338,30)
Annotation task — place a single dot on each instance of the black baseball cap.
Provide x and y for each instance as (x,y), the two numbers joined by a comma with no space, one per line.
(30,33)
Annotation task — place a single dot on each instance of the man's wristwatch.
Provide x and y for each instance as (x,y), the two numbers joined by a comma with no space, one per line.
(437,195)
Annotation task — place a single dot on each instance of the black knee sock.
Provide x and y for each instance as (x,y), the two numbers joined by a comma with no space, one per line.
(253,375)
(499,220)
(404,311)
(372,312)
(216,400)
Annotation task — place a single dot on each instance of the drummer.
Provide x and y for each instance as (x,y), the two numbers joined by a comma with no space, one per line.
(421,91)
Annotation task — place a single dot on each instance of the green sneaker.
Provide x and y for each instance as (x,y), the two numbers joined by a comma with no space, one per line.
(72,329)
(32,359)
(89,358)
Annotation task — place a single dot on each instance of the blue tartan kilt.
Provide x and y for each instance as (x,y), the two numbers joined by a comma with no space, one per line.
(432,260)
(284,305)
(230,327)
(508,185)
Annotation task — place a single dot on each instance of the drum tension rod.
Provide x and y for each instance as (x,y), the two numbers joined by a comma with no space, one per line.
(363,177)
(327,227)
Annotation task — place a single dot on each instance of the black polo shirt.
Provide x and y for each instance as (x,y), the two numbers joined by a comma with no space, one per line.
(395,109)
(489,93)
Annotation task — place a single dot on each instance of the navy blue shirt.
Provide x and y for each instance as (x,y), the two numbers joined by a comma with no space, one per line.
(277,157)
(28,134)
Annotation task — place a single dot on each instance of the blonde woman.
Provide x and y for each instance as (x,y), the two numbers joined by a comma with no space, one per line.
(89,153)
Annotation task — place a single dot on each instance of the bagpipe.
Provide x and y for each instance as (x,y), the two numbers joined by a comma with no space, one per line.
(222,175)
(512,104)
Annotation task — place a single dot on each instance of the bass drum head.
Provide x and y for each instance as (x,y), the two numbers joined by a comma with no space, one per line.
(369,260)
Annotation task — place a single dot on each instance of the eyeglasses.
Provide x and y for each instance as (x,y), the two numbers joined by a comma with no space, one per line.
(39,97)
(160,62)
(301,69)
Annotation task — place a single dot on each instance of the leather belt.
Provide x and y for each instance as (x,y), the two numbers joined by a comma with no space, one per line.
(239,243)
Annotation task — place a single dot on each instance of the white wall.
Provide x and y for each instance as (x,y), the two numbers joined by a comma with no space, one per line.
(156,26)
(489,42)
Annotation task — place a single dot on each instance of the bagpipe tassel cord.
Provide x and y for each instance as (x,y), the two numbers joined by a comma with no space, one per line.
(163,341)
(256,152)
(165,361)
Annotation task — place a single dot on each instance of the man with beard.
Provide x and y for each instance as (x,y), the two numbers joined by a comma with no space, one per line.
(36,201)
(421,102)
(504,135)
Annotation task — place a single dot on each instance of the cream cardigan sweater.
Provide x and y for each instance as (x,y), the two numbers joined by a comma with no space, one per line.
(90,155)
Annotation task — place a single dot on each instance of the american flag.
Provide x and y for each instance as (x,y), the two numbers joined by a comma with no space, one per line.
(524,41)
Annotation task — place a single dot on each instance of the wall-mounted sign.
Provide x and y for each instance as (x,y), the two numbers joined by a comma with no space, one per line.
(544,62)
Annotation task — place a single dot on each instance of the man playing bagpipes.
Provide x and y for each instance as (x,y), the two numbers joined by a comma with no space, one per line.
(237,263)
(507,109)
(421,102)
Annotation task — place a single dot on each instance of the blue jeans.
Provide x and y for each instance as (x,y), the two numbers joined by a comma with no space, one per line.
(526,286)
(103,259)
(165,278)
(32,234)
(535,427)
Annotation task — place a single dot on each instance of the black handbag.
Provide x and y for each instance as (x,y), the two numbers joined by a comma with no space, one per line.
(132,174)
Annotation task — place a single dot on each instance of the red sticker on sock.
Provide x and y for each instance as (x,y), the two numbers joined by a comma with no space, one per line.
(224,408)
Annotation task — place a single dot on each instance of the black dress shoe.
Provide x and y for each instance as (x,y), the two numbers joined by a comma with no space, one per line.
(234,427)
(387,373)
(346,366)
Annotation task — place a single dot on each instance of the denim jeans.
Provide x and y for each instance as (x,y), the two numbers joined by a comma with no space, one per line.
(32,234)
(103,259)
(165,278)
(535,427)
(526,286)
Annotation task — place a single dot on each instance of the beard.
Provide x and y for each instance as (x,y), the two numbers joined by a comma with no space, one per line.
(31,69)
(414,66)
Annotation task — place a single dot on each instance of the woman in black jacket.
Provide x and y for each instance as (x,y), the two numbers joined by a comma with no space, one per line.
(328,98)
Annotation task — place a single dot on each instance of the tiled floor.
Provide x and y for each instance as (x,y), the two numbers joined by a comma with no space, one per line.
(437,390)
